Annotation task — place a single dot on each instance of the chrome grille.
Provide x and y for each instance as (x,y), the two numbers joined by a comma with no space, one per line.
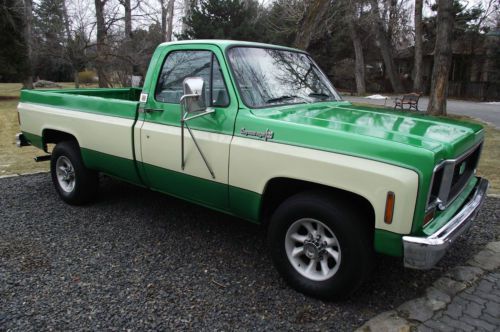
(451,176)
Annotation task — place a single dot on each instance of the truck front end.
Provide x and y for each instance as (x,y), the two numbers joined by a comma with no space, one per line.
(453,200)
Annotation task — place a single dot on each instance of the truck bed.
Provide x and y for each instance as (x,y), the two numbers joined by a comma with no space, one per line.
(121,102)
(101,120)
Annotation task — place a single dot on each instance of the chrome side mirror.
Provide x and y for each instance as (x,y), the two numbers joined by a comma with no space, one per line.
(194,95)
(193,107)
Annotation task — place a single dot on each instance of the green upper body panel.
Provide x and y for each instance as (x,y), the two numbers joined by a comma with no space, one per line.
(345,123)
(121,102)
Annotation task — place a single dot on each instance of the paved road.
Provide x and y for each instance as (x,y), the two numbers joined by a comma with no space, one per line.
(475,309)
(139,260)
(486,112)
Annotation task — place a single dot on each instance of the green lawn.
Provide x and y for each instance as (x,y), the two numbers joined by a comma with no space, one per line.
(14,160)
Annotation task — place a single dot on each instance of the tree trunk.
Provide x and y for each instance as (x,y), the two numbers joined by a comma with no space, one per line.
(359,64)
(310,22)
(442,58)
(128,19)
(187,14)
(77,80)
(385,49)
(101,43)
(163,19)
(28,23)
(67,30)
(170,20)
(392,25)
(128,41)
(417,83)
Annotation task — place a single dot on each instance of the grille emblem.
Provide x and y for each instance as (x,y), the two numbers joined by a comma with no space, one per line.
(462,168)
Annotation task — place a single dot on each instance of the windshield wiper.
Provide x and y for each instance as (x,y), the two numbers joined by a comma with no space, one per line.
(319,95)
(285,97)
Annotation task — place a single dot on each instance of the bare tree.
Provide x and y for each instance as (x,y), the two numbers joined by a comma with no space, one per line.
(417,82)
(188,5)
(28,24)
(359,61)
(442,58)
(170,20)
(312,21)
(70,44)
(128,18)
(167,18)
(385,47)
(101,45)
(164,12)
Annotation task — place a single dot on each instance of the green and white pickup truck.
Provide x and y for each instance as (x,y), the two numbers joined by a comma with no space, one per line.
(258,131)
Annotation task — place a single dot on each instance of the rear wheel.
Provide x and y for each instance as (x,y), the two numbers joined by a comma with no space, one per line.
(74,183)
(320,247)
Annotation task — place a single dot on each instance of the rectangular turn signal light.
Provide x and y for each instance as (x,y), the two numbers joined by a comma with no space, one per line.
(389,207)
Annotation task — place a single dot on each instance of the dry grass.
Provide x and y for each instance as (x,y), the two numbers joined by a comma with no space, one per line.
(489,165)
(8,90)
(13,159)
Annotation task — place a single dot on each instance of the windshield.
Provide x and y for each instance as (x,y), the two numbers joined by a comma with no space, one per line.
(268,77)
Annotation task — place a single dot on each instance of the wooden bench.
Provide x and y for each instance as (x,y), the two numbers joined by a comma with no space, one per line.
(410,99)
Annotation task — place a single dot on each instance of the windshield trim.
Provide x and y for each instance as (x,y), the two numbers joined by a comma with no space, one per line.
(286,49)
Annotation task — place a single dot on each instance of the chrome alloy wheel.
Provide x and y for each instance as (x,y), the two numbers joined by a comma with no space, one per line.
(312,249)
(65,174)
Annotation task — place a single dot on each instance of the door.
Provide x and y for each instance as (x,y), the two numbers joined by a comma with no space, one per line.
(160,133)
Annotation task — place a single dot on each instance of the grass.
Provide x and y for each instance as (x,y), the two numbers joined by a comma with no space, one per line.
(14,160)
(489,164)
(10,90)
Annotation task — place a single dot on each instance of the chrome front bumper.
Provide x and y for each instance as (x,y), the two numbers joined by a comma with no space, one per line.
(424,252)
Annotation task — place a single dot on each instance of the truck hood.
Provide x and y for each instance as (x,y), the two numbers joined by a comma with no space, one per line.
(440,135)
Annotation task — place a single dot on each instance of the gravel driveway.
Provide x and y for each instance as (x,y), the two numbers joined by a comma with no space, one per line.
(139,260)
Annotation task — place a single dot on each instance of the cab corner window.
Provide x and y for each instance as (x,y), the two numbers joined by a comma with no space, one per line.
(182,64)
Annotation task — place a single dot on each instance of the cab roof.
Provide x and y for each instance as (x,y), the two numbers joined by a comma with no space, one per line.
(225,43)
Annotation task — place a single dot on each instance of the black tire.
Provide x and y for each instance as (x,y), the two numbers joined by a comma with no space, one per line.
(352,232)
(86,181)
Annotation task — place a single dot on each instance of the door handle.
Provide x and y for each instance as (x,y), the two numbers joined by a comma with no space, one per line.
(152,110)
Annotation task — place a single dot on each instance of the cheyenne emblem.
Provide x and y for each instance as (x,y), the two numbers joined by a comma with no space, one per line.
(268,134)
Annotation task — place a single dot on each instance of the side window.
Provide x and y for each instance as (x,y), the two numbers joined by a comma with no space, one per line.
(182,64)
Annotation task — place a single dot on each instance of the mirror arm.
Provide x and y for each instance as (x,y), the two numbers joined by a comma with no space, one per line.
(188,96)
(184,120)
(208,111)
(199,150)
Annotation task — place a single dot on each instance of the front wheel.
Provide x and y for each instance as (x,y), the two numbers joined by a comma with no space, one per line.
(74,183)
(320,247)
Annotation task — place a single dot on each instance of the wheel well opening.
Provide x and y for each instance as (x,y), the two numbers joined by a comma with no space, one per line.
(51,136)
(279,189)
